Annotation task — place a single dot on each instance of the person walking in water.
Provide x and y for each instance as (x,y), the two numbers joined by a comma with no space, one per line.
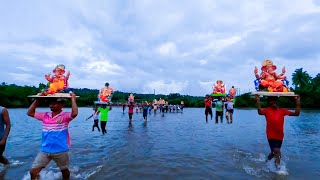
(145,111)
(55,136)
(123,107)
(130,111)
(275,121)
(104,112)
(219,110)
(95,117)
(208,107)
(229,109)
(5,127)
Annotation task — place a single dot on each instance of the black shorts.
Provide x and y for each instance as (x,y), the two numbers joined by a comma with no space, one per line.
(130,115)
(2,148)
(230,111)
(219,113)
(208,111)
(273,143)
(95,122)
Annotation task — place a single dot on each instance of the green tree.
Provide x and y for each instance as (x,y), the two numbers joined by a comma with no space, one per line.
(301,80)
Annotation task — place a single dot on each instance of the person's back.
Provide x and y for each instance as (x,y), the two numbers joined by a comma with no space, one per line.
(219,106)
(145,111)
(130,111)
(95,115)
(130,108)
(104,112)
(229,105)
(145,108)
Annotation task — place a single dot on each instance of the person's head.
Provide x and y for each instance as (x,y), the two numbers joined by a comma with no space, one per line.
(56,105)
(95,108)
(104,106)
(272,101)
(131,103)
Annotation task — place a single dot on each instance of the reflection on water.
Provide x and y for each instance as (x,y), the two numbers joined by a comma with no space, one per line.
(173,146)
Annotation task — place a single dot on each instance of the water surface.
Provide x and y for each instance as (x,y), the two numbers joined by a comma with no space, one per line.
(176,146)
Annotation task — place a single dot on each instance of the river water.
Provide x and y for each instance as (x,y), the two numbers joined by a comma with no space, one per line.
(173,146)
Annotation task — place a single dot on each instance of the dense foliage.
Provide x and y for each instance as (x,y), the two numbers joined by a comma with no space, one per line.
(12,95)
(307,87)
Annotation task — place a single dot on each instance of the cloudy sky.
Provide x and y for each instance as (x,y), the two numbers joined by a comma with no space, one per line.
(170,46)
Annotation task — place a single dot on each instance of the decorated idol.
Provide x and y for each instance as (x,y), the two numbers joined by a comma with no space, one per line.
(268,80)
(105,93)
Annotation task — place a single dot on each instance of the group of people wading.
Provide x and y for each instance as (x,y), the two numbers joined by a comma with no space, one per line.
(220,104)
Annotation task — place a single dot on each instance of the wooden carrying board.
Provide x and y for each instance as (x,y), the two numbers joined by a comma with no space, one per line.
(100,102)
(263,93)
(56,95)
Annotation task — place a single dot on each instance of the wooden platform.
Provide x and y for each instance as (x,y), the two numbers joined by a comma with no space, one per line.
(100,102)
(218,95)
(56,95)
(263,93)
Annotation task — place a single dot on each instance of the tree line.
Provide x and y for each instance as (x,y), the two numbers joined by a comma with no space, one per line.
(14,96)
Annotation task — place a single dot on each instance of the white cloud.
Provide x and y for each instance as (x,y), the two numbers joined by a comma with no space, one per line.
(203,62)
(166,87)
(102,66)
(24,68)
(167,49)
(22,77)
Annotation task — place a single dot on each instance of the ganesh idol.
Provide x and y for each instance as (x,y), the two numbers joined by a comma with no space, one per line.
(269,80)
(105,94)
(219,88)
(57,82)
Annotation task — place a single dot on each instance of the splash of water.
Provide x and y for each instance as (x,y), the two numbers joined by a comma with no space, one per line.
(280,169)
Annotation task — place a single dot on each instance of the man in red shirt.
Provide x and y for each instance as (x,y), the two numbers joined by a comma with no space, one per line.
(130,111)
(208,107)
(275,122)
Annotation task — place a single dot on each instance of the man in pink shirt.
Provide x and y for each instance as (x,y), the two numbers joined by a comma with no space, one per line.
(55,136)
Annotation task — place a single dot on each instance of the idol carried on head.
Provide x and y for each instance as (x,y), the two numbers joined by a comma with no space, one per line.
(219,89)
(232,92)
(106,93)
(57,86)
(269,80)
(155,101)
(131,98)
(58,82)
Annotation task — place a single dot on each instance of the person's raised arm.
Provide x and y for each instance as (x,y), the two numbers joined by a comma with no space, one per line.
(260,111)
(6,120)
(89,117)
(74,111)
(297,110)
(32,108)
